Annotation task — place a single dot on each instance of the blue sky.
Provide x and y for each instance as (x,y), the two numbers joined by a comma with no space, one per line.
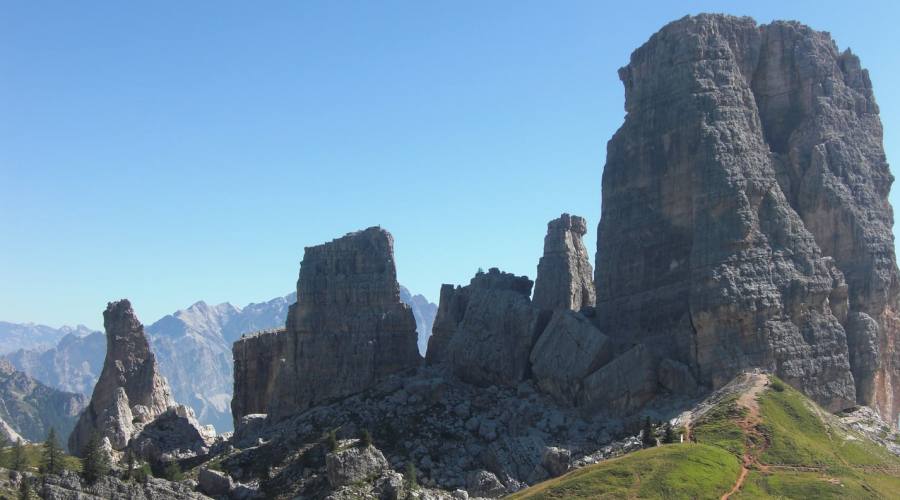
(180,151)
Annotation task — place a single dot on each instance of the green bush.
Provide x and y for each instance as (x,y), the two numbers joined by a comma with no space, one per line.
(331,440)
(365,438)
(172,472)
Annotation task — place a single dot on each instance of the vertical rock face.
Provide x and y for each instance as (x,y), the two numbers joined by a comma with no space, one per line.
(347,330)
(131,396)
(130,389)
(564,279)
(451,309)
(257,361)
(484,331)
(821,121)
(745,220)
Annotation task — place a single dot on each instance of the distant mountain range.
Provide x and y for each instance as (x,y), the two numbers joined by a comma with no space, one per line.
(29,408)
(193,347)
(30,336)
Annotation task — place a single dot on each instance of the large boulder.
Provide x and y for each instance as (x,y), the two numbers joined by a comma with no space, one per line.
(172,435)
(564,275)
(569,349)
(214,483)
(354,464)
(624,385)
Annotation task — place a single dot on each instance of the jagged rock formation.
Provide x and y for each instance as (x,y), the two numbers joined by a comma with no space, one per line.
(564,276)
(130,388)
(502,321)
(452,304)
(28,409)
(131,395)
(744,200)
(347,330)
(192,347)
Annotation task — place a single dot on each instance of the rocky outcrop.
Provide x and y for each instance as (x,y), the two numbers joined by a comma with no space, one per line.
(173,435)
(485,331)
(130,390)
(624,385)
(69,485)
(8,434)
(131,395)
(744,201)
(257,363)
(564,276)
(347,330)
(569,349)
(353,464)
(29,409)
(452,305)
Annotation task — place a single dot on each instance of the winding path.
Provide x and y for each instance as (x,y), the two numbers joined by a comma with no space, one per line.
(748,425)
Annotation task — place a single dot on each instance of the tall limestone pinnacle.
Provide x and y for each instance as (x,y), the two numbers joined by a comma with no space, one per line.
(565,278)
(130,388)
(347,330)
(745,220)
(132,404)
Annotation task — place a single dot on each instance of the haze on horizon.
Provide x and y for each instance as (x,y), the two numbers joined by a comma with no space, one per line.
(178,153)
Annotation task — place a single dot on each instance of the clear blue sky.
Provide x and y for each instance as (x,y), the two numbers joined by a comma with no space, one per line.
(180,151)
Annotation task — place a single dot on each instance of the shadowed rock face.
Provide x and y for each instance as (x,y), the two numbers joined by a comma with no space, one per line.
(745,220)
(564,278)
(484,331)
(130,389)
(347,330)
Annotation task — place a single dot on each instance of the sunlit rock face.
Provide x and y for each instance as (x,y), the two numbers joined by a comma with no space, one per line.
(130,388)
(347,330)
(745,220)
(131,396)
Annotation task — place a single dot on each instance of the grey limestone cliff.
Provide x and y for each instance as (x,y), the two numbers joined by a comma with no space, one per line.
(131,394)
(564,275)
(347,330)
(745,220)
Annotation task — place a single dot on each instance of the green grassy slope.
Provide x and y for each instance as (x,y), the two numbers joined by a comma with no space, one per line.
(795,450)
(671,471)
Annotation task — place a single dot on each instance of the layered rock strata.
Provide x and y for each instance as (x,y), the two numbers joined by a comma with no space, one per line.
(745,220)
(347,330)
(130,394)
(565,279)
